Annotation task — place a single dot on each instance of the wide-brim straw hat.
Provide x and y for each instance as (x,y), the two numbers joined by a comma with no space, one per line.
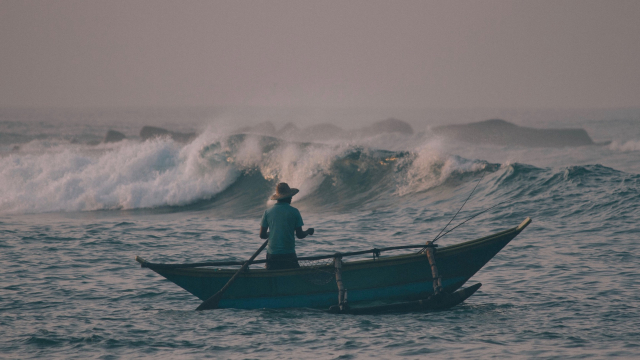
(283,191)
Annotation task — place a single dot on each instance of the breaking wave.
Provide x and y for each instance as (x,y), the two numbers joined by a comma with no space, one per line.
(214,169)
(237,173)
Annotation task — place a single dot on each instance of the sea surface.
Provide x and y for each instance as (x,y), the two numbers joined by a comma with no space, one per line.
(74,212)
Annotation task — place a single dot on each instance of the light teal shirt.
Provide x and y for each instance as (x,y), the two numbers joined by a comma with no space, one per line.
(281,219)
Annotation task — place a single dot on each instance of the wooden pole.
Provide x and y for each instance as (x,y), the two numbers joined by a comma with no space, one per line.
(212,302)
(341,290)
(437,281)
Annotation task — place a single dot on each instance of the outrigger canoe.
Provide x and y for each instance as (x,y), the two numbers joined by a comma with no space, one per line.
(384,283)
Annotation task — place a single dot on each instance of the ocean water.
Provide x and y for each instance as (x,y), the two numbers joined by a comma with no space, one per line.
(75,212)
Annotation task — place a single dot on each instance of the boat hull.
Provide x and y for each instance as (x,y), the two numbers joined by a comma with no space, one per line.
(386,279)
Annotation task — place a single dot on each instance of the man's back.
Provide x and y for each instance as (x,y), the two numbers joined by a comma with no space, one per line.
(279,224)
(282,219)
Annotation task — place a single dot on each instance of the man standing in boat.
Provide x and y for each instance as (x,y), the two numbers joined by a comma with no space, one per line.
(279,224)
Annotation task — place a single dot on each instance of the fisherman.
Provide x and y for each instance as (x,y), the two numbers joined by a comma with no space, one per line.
(279,223)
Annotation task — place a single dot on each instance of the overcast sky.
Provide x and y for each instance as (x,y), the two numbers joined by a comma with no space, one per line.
(364,53)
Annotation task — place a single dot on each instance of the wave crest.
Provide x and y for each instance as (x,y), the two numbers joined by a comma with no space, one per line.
(236,172)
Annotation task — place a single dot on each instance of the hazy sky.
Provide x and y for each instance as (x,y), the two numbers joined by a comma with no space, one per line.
(364,53)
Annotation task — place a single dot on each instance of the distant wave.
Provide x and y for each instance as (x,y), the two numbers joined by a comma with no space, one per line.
(595,192)
(631,145)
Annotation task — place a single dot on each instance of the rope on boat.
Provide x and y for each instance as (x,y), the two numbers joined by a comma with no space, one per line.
(375,251)
(454,216)
(318,272)
(440,234)
(462,223)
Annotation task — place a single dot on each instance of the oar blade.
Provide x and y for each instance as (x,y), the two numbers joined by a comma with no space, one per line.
(211,303)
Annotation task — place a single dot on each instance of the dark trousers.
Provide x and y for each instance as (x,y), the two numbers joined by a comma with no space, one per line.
(282,261)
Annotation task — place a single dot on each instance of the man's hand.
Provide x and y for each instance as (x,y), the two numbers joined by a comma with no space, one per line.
(264,234)
(303,234)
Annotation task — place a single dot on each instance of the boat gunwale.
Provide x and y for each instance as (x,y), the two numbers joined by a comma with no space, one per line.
(347,265)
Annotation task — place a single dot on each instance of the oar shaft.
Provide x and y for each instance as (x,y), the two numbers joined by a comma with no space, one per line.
(212,302)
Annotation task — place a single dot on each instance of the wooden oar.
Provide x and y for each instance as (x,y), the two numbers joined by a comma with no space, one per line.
(212,302)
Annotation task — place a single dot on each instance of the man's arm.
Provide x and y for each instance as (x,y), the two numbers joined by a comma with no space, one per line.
(264,234)
(303,234)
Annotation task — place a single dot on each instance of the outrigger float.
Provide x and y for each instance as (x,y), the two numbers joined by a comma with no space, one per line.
(428,280)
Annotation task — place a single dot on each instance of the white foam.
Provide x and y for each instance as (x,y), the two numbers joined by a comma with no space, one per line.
(304,167)
(124,176)
(430,168)
(631,145)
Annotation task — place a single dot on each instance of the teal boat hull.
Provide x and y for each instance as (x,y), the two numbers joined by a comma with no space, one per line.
(382,280)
